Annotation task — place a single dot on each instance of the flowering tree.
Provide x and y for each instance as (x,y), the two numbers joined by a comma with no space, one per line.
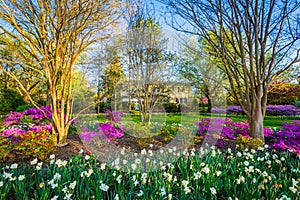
(54,34)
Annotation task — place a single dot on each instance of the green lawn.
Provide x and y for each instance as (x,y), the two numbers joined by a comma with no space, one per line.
(190,118)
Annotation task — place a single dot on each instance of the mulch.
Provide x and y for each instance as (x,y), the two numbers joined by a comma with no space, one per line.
(128,142)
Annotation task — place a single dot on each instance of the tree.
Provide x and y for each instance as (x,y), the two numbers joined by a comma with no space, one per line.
(54,34)
(29,78)
(147,64)
(201,72)
(113,74)
(264,38)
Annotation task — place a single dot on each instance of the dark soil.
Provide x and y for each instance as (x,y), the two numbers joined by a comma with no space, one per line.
(130,143)
(72,148)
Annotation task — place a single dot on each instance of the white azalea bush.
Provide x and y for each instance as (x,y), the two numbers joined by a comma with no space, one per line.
(197,174)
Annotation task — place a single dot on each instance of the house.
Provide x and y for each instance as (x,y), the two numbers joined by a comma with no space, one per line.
(179,93)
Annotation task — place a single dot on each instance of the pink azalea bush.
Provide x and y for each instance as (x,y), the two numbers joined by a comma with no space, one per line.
(271,110)
(111,130)
(32,119)
(287,137)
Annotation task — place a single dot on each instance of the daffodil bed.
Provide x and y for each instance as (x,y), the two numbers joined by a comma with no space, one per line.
(207,173)
(170,172)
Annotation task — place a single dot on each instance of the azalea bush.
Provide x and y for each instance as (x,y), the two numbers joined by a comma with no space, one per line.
(28,132)
(111,130)
(206,173)
(286,137)
(271,110)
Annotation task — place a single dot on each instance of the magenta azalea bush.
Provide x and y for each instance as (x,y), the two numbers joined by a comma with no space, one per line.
(271,110)
(28,132)
(287,137)
(32,119)
(111,130)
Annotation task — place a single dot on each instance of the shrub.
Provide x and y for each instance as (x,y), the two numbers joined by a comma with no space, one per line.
(287,137)
(244,142)
(297,104)
(111,130)
(271,110)
(171,107)
(36,144)
(23,107)
(29,132)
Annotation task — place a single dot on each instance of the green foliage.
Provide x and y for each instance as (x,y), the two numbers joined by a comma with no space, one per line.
(5,147)
(297,104)
(10,100)
(136,130)
(244,142)
(103,106)
(168,133)
(36,144)
(23,107)
(171,107)
(283,93)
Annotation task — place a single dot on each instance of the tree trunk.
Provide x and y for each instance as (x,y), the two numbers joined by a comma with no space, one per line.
(209,106)
(149,119)
(60,134)
(256,122)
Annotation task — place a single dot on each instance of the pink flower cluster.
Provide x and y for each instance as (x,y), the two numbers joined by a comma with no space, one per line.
(287,137)
(111,130)
(32,119)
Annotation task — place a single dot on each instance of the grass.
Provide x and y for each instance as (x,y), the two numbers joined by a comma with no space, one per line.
(191,118)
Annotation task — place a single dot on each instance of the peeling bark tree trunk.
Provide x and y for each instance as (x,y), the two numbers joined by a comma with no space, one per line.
(256,122)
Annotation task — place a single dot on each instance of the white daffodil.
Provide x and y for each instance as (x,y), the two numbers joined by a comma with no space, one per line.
(141,193)
(55,197)
(294,182)
(137,161)
(14,166)
(72,185)
(293,189)
(7,175)
(213,190)
(33,162)
(21,177)
(163,191)
(187,190)
(102,166)
(133,166)
(104,187)
(205,170)
(56,176)
(185,183)
(284,197)
(197,175)
(119,179)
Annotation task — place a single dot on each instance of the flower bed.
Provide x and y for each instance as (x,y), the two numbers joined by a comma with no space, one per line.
(205,174)
(271,110)
(28,132)
(287,137)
